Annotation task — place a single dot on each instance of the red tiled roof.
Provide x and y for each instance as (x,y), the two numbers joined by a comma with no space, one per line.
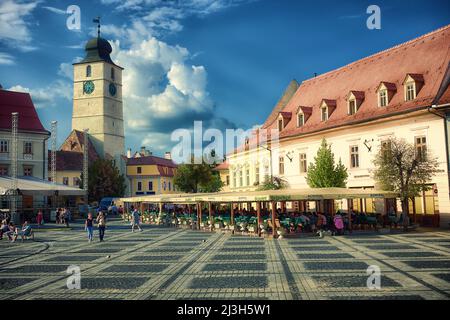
(67,161)
(11,101)
(425,59)
(75,143)
(151,160)
(222,166)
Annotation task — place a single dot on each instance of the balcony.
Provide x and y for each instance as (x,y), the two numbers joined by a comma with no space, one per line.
(4,155)
(27,156)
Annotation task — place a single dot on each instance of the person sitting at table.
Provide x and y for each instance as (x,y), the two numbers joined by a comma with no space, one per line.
(3,228)
(26,231)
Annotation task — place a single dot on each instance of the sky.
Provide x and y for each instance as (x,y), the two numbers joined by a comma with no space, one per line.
(224,62)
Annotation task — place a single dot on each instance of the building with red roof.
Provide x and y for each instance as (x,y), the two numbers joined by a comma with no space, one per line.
(32,140)
(148,174)
(400,92)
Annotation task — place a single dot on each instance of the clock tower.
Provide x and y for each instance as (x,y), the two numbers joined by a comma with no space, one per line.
(97,99)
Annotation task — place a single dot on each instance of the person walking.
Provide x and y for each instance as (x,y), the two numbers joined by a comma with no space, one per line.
(89,227)
(136,219)
(101,221)
(66,213)
(40,218)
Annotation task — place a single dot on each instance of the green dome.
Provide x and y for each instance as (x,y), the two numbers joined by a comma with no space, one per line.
(98,49)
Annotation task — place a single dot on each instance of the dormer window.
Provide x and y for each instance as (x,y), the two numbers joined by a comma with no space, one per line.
(355,99)
(88,71)
(385,91)
(412,84)
(303,114)
(324,113)
(283,120)
(382,98)
(326,109)
(300,120)
(352,107)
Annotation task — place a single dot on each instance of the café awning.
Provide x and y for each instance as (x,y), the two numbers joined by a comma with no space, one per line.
(310,194)
(37,187)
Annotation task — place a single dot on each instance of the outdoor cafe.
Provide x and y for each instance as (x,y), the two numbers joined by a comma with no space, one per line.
(271,212)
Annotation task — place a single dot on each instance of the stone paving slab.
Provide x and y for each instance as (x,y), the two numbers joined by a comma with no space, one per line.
(168,263)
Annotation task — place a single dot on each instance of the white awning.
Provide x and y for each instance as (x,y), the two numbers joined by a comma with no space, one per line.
(37,187)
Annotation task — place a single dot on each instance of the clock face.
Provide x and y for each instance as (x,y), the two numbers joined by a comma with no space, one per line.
(88,87)
(112,89)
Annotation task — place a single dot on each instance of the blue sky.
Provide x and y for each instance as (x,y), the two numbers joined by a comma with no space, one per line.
(224,62)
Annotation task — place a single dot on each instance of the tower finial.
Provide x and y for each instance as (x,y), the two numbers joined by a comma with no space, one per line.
(97,20)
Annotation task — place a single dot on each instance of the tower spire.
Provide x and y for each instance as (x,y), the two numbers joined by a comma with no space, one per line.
(97,21)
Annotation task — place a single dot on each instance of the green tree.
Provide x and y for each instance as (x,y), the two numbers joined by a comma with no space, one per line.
(193,178)
(105,180)
(324,173)
(275,183)
(399,167)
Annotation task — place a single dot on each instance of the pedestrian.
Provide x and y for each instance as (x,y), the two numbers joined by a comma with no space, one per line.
(40,218)
(338,223)
(66,216)
(89,227)
(136,219)
(101,221)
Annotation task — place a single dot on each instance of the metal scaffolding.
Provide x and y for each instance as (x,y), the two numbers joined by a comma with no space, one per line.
(14,143)
(54,132)
(85,165)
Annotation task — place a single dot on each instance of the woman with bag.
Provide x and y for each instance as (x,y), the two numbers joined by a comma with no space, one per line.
(101,221)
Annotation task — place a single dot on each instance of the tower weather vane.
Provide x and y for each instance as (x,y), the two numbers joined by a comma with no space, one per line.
(97,20)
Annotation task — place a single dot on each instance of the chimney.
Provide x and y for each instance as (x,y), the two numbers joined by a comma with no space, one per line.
(129,153)
(168,155)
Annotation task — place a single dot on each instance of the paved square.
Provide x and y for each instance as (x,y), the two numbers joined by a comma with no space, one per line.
(168,263)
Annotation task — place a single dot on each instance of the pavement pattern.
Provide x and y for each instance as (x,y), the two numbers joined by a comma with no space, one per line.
(170,263)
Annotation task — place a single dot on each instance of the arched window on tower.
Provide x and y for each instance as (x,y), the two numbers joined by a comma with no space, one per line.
(88,71)
(112,73)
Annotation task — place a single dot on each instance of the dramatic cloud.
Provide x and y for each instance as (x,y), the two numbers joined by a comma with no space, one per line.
(14,28)
(6,59)
(47,96)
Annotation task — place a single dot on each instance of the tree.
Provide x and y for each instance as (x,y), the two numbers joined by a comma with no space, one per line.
(402,168)
(105,180)
(193,178)
(273,183)
(324,173)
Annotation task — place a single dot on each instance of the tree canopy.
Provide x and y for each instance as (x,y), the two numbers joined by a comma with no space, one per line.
(324,173)
(105,180)
(401,167)
(273,183)
(193,178)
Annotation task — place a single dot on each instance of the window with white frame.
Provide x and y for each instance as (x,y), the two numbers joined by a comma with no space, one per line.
(300,119)
(247,176)
(324,113)
(234,179)
(421,147)
(28,171)
(240,178)
(352,108)
(4,146)
(383,98)
(280,124)
(410,91)
(27,147)
(354,157)
(303,163)
(281,165)
(257,174)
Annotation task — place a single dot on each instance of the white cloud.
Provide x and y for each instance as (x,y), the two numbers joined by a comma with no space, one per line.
(47,96)
(14,29)
(55,10)
(6,59)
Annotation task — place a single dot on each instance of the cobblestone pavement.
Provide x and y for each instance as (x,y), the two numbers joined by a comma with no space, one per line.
(168,263)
